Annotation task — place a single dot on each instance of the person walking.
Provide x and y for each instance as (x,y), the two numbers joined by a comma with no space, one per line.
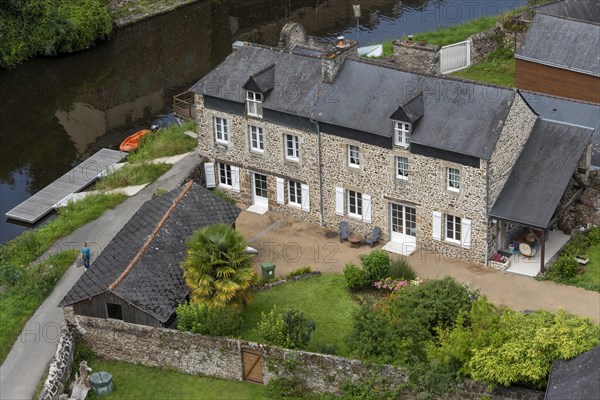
(86,255)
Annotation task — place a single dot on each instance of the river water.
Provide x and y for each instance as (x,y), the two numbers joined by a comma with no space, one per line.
(55,112)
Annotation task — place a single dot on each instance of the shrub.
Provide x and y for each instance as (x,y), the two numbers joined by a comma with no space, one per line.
(198,318)
(376,264)
(289,329)
(593,236)
(400,268)
(299,271)
(356,278)
(434,303)
(564,268)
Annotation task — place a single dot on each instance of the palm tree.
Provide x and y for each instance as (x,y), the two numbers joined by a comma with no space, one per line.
(218,268)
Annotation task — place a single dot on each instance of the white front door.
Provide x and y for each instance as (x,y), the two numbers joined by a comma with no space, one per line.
(403,224)
(259,190)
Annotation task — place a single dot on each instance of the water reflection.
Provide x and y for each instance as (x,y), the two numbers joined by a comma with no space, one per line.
(54,112)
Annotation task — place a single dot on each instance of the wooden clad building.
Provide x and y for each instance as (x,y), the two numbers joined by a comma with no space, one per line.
(138,278)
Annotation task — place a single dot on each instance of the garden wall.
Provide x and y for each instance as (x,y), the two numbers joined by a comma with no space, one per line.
(222,358)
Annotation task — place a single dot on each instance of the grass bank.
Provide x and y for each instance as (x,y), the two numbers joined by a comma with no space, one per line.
(323,299)
(23,290)
(131,175)
(134,382)
(498,67)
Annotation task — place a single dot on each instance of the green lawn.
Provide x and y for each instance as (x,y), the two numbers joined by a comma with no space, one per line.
(457,33)
(498,70)
(590,279)
(323,298)
(135,382)
(131,175)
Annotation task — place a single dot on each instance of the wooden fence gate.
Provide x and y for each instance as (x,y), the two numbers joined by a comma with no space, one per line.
(455,57)
(252,364)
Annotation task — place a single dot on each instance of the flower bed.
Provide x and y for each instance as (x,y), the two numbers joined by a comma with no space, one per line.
(499,261)
(393,285)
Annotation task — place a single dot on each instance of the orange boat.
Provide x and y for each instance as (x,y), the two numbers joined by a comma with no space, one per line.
(132,142)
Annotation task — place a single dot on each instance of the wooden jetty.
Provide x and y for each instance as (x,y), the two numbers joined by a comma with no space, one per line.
(41,203)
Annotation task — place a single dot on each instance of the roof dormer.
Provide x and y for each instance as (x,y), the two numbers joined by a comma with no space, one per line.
(411,111)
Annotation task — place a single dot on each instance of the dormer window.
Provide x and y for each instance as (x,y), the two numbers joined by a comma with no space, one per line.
(254,104)
(401,133)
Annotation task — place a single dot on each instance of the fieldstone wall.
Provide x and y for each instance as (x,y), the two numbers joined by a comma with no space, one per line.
(514,135)
(216,356)
(415,57)
(271,162)
(60,366)
(425,190)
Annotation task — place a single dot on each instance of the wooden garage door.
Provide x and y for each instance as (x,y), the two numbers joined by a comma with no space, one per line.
(252,363)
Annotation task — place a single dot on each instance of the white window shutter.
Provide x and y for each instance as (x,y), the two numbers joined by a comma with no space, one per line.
(437,225)
(209,172)
(305,198)
(235,178)
(280,190)
(339,201)
(366,208)
(465,233)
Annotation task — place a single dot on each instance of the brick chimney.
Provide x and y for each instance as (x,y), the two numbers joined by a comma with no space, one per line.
(332,61)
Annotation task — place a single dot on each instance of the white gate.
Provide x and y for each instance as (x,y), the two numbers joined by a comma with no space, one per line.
(455,57)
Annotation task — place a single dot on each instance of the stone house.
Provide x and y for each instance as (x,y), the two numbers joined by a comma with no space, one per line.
(138,277)
(324,136)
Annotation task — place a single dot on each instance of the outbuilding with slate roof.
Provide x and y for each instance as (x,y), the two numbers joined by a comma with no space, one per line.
(138,278)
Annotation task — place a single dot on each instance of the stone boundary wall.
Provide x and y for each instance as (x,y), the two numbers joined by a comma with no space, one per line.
(60,367)
(221,357)
(218,357)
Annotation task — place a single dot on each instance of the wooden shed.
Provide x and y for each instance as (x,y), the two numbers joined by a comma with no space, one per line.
(138,278)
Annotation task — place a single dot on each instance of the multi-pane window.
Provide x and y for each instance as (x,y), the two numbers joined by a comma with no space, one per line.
(402,168)
(260,185)
(221,130)
(353,156)
(257,139)
(453,228)
(225,174)
(295,193)
(292,149)
(453,179)
(254,104)
(354,203)
(401,133)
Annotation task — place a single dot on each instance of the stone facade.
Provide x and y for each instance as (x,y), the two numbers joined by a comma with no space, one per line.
(412,56)
(60,366)
(272,162)
(425,190)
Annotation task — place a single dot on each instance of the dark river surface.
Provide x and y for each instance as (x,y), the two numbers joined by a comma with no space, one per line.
(55,112)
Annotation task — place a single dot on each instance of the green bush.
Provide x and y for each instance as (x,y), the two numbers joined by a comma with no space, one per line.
(51,27)
(376,264)
(593,236)
(400,269)
(564,268)
(198,318)
(577,245)
(507,347)
(299,271)
(432,304)
(289,329)
(356,278)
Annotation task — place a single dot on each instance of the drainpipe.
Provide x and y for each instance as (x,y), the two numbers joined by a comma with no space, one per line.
(319,156)
(487,211)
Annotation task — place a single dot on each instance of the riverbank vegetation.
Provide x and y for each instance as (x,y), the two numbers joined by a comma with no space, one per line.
(131,175)
(50,27)
(22,290)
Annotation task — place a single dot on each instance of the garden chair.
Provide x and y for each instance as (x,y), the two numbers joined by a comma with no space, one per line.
(373,237)
(344,231)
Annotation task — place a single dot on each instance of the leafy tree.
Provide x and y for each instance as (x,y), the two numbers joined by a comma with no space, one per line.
(217,268)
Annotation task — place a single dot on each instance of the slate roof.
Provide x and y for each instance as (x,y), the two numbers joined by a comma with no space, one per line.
(570,112)
(541,174)
(562,43)
(582,10)
(578,378)
(364,96)
(155,283)
(263,81)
